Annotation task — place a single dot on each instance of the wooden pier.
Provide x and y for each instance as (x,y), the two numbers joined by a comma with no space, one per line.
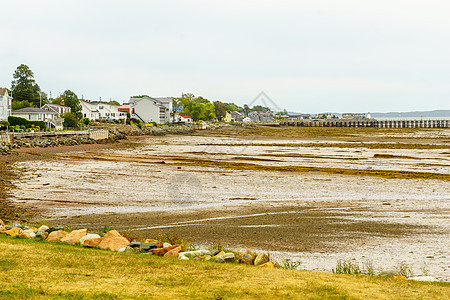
(442,123)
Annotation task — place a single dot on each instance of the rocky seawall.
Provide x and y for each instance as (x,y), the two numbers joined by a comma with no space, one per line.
(116,132)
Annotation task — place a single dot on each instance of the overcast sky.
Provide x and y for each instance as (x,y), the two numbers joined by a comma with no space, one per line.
(307,56)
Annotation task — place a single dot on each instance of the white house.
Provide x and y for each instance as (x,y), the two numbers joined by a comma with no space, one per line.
(59,109)
(101,111)
(149,109)
(50,118)
(5,104)
(182,118)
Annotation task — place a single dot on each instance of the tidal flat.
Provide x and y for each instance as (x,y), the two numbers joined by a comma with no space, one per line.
(310,194)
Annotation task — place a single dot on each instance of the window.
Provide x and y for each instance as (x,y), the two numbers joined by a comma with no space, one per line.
(113,114)
(100,107)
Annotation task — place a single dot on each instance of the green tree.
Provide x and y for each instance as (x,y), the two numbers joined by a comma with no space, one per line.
(71,100)
(15,105)
(70,119)
(220,109)
(198,108)
(24,87)
(230,107)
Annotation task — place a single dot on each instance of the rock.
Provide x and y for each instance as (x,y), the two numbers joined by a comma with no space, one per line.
(246,259)
(87,237)
(1,223)
(92,242)
(27,234)
(389,273)
(15,231)
(220,253)
(54,228)
(173,253)
(227,257)
(261,258)
(43,228)
(148,246)
(166,245)
(423,278)
(162,251)
(399,277)
(268,264)
(122,249)
(213,252)
(44,235)
(113,241)
(56,236)
(17,225)
(134,244)
(74,237)
(159,244)
(208,257)
(192,254)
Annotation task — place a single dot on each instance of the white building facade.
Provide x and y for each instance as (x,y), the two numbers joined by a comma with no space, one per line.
(148,110)
(101,111)
(5,104)
(50,118)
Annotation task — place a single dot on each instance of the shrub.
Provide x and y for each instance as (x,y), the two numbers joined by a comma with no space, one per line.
(40,124)
(4,124)
(17,121)
(86,121)
(70,119)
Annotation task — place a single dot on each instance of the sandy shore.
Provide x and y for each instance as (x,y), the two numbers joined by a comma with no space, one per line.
(187,186)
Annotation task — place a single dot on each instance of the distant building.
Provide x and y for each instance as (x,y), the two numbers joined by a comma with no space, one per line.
(237,116)
(182,118)
(50,118)
(353,116)
(101,111)
(227,118)
(59,109)
(148,109)
(5,104)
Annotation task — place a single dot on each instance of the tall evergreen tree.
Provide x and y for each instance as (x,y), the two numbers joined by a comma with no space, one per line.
(24,87)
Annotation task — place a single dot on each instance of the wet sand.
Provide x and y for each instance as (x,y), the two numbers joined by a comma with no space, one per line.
(170,185)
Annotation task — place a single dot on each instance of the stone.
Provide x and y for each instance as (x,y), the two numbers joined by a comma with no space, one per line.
(423,278)
(389,273)
(246,259)
(192,254)
(227,257)
(162,251)
(261,258)
(74,237)
(92,242)
(220,253)
(113,241)
(134,244)
(208,257)
(87,237)
(56,236)
(173,253)
(268,264)
(399,277)
(44,235)
(15,231)
(159,244)
(122,249)
(43,228)
(148,246)
(17,224)
(213,252)
(29,234)
(54,228)
(166,245)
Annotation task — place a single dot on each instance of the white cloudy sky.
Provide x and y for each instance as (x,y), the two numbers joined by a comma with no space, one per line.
(308,56)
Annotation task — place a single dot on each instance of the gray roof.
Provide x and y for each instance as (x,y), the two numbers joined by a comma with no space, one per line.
(3,91)
(32,110)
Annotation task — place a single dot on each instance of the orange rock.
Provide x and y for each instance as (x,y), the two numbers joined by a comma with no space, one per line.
(92,242)
(399,277)
(13,231)
(44,235)
(268,265)
(220,253)
(113,243)
(56,236)
(73,237)
(162,251)
(112,233)
(173,253)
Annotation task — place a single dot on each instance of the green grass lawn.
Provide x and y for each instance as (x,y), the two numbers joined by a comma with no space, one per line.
(40,270)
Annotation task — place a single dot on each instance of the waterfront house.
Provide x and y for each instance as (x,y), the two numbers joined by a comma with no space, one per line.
(148,109)
(59,109)
(50,118)
(101,111)
(182,118)
(237,116)
(5,104)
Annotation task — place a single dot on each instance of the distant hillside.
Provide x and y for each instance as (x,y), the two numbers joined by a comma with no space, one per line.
(413,114)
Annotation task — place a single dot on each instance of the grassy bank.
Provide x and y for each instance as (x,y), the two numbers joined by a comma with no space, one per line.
(31,269)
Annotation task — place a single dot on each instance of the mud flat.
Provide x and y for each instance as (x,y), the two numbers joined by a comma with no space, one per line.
(320,194)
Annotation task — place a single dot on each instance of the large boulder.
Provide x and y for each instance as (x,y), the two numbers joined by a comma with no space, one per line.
(162,251)
(15,231)
(88,237)
(53,228)
(92,242)
(43,228)
(261,258)
(56,236)
(227,257)
(173,253)
(29,234)
(113,241)
(74,237)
